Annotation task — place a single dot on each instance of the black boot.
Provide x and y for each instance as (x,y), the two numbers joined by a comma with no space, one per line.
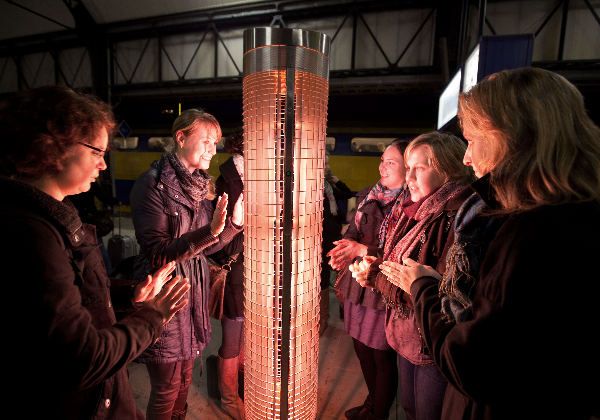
(179,415)
(366,414)
(355,412)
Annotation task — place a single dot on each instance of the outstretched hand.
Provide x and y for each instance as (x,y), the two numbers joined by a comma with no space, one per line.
(238,211)
(344,252)
(148,289)
(169,299)
(219,216)
(403,275)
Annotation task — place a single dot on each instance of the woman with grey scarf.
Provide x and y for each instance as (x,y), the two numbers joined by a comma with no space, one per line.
(174,219)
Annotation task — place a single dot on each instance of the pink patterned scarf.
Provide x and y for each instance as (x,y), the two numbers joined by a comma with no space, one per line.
(397,248)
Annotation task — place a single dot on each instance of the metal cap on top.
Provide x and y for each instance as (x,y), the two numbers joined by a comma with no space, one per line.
(261,37)
(286,48)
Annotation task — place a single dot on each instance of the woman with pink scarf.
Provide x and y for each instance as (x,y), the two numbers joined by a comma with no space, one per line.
(438,183)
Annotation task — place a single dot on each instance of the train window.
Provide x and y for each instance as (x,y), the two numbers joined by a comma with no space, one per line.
(159,143)
(125,142)
(330,144)
(221,145)
(370,144)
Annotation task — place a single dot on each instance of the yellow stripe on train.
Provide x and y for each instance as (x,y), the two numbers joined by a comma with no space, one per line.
(356,172)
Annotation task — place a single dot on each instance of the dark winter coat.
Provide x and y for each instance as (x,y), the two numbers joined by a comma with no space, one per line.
(233,302)
(170,227)
(368,234)
(69,355)
(332,224)
(531,348)
(332,227)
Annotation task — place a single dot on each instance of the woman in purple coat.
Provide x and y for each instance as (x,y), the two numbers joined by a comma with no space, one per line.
(364,309)
(174,219)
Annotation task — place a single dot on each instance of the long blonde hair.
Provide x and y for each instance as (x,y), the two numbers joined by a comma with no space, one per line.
(545,146)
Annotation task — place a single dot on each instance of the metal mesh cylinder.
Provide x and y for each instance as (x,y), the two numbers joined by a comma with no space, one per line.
(285,92)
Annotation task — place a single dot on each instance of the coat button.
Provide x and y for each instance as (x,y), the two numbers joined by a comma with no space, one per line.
(176,196)
(176,213)
(107,402)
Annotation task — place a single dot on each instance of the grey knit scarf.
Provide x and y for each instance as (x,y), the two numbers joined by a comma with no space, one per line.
(194,184)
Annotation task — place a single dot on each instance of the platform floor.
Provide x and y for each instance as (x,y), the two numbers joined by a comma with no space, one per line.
(341,385)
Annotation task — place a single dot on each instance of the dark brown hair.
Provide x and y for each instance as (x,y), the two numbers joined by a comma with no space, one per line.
(38,127)
(234,143)
(401,144)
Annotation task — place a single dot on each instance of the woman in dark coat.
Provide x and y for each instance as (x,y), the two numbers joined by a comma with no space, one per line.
(231,182)
(438,185)
(68,349)
(534,311)
(174,219)
(364,309)
(333,190)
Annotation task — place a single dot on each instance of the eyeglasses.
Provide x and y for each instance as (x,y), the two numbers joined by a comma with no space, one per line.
(99,152)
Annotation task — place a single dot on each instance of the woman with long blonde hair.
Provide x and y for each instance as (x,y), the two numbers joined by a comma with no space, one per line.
(535,307)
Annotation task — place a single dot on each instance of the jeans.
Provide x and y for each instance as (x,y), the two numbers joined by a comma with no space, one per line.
(170,383)
(422,390)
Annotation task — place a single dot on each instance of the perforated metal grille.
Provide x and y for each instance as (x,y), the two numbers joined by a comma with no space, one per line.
(265,110)
(276,57)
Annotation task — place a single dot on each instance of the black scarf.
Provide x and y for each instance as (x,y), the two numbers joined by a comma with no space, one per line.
(194,184)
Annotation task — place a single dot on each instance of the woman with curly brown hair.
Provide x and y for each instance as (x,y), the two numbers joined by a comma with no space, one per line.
(65,337)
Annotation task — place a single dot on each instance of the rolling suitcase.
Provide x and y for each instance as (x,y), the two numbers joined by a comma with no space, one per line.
(120,247)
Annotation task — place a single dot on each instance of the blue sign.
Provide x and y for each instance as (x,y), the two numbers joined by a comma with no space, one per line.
(124,129)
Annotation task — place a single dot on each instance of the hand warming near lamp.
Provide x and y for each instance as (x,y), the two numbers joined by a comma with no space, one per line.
(403,275)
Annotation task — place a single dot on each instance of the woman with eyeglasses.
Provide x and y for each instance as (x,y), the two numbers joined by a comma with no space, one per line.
(66,346)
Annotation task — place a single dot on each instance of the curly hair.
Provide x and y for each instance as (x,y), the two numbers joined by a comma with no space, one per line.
(545,147)
(38,127)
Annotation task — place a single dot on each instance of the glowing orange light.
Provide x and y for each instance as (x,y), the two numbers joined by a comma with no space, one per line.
(285,117)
